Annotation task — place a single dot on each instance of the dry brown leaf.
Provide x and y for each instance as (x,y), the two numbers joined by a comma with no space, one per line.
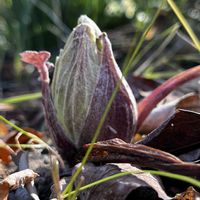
(179,132)
(132,186)
(4,190)
(5,152)
(16,180)
(3,130)
(189,194)
(14,138)
(118,151)
(22,139)
(163,112)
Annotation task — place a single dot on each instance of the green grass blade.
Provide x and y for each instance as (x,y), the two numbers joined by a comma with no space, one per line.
(154,172)
(152,43)
(157,52)
(33,137)
(21,98)
(185,24)
(135,52)
(30,135)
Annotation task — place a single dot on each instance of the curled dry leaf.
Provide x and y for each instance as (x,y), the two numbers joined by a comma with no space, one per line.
(163,112)
(18,138)
(3,130)
(16,180)
(117,151)
(133,186)
(179,132)
(189,194)
(5,152)
(14,138)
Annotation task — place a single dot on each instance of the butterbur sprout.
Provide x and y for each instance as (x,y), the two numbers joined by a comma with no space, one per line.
(85,77)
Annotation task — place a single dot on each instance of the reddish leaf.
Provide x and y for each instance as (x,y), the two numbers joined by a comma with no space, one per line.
(117,151)
(147,104)
(39,60)
(54,128)
(35,58)
(163,112)
(12,138)
(5,152)
(3,130)
(23,139)
(177,133)
(4,191)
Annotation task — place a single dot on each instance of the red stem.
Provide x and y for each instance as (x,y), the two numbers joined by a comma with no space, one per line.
(148,103)
(64,146)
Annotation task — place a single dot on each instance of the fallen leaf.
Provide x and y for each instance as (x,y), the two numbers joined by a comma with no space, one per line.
(3,130)
(189,102)
(14,138)
(5,152)
(4,190)
(3,171)
(163,112)
(16,180)
(146,105)
(118,151)
(191,155)
(189,194)
(133,186)
(180,131)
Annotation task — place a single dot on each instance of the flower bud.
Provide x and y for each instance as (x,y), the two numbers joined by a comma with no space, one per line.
(85,77)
